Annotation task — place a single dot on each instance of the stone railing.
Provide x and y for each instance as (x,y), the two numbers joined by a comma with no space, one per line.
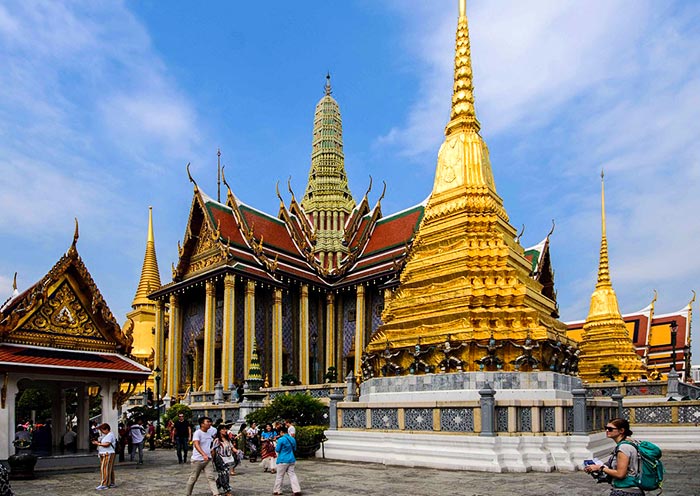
(689,391)
(668,413)
(320,391)
(485,417)
(636,388)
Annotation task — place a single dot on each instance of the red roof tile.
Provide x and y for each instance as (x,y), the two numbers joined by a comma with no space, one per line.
(52,360)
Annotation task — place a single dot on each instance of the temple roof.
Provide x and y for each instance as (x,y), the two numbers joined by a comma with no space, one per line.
(65,310)
(48,360)
(240,238)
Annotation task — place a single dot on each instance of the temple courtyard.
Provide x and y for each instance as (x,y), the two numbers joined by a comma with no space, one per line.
(160,476)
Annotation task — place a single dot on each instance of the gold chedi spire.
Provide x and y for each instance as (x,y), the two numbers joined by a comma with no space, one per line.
(150,275)
(142,319)
(466,279)
(606,340)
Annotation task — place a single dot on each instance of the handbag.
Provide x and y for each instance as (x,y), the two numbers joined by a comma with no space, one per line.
(228,460)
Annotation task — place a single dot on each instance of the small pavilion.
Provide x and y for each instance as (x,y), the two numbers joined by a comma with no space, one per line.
(60,333)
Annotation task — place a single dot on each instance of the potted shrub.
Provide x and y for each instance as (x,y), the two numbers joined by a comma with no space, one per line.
(309,439)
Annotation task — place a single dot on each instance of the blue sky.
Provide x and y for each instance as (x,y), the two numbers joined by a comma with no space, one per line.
(103,103)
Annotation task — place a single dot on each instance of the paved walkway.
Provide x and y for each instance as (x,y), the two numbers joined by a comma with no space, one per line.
(159,476)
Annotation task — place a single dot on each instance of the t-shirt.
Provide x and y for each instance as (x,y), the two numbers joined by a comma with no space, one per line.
(137,433)
(205,439)
(291,430)
(182,429)
(69,437)
(107,438)
(631,452)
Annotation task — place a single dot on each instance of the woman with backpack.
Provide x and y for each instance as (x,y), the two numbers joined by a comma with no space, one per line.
(622,466)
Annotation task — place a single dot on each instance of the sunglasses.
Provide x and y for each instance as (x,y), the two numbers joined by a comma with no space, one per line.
(610,429)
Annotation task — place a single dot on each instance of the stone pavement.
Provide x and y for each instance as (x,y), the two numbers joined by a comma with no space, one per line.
(159,476)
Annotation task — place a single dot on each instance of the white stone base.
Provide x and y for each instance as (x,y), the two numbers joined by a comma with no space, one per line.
(466,452)
(670,437)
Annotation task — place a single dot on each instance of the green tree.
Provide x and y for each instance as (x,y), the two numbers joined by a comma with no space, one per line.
(300,408)
(175,410)
(610,371)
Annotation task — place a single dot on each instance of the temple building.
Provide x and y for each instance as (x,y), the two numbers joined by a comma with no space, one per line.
(59,334)
(654,339)
(308,284)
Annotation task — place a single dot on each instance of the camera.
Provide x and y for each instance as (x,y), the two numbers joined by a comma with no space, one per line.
(601,477)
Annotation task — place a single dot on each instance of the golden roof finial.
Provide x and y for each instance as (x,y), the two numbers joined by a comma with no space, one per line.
(604,264)
(328,83)
(218,175)
(14,284)
(463,113)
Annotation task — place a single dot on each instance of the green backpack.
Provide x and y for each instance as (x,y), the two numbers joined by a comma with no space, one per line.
(650,470)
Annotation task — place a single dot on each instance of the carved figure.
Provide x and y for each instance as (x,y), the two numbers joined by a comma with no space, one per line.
(367,365)
(490,359)
(418,364)
(556,359)
(389,366)
(450,361)
(526,357)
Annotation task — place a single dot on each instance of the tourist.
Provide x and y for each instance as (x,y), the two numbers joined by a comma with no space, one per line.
(267,449)
(105,450)
(138,435)
(151,436)
(241,439)
(290,428)
(622,465)
(252,437)
(180,434)
(240,392)
(201,456)
(69,441)
(122,441)
(286,445)
(224,455)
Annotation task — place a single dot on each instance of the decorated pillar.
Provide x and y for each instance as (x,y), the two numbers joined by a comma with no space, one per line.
(209,336)
(249,323)
(228,341)
(83,417)
(330,330)
(277,337)
(304,334)
(159,348)
(172,373)
(359,329)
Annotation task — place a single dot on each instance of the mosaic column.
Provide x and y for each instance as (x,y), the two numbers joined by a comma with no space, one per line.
(359,328)
(228,341)
(209,336)
(249,325)
(277,337)
(172,374)
(159,345)
(330,330)
(304,334)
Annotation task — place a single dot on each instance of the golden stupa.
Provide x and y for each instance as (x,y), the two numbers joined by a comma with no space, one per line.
(605,339)
(466,299)
(141,321)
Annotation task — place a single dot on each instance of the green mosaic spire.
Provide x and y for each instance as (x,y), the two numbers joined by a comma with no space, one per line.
(328,201)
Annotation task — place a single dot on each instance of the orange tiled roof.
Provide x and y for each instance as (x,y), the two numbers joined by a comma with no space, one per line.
(53,360)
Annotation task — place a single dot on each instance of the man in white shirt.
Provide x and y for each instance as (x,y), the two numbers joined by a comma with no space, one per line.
(291,430)
(201,456)
(138,435)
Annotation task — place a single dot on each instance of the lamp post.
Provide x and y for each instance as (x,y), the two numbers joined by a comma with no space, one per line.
(157,378)
(674,331)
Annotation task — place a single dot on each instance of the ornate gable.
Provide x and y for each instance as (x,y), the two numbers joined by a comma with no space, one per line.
(63,310)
